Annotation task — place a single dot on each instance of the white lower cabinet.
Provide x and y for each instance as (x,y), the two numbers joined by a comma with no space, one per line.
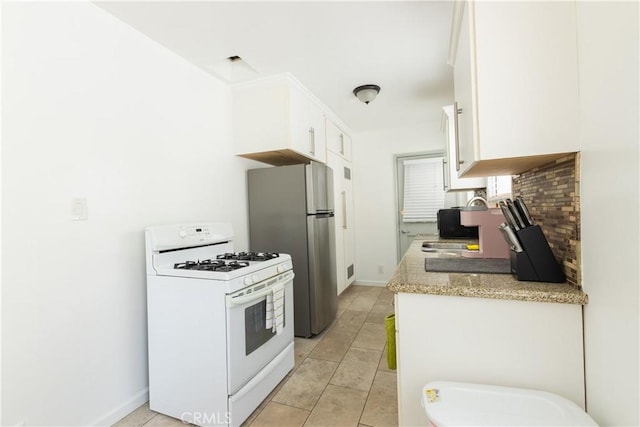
(344,231)
(488,341)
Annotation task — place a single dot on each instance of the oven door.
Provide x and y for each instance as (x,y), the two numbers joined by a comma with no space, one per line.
(250,345)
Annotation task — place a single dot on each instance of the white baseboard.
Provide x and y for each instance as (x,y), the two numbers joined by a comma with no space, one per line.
(377,283)
(126,408)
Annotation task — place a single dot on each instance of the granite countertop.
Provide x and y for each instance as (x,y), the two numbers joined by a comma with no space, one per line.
(410,277)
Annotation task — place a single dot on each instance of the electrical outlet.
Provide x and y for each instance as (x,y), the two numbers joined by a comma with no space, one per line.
(79,211)
(381,269)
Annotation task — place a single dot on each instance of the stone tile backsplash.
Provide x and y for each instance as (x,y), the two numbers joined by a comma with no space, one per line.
(552,194)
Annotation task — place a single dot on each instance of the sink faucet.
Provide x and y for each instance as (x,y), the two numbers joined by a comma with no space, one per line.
(477,199)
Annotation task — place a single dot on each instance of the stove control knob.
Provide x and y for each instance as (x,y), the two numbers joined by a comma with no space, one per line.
(182,233)
(255,278)
(279,268)
(248,281)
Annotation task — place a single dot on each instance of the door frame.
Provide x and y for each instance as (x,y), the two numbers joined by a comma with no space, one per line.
(399,187)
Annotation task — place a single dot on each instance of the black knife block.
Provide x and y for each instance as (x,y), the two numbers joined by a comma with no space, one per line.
(536,262)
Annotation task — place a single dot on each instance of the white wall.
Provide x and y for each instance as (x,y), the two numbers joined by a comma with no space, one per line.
(608,64)
(94,109)
(1,4)
(374,193)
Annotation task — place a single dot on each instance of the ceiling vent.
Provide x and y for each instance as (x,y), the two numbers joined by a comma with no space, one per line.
(233,69)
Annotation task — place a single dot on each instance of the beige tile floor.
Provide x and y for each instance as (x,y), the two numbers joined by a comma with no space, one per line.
(340,377)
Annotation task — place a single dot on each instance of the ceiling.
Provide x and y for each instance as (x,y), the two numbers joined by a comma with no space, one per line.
(331,47)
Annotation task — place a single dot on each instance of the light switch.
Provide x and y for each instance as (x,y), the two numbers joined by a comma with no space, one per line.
(79,210)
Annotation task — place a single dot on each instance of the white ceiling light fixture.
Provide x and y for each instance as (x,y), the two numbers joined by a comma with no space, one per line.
(366,93)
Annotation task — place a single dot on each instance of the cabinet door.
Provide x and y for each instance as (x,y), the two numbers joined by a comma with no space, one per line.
(261,119)
(333,137)
(334,161)
(346,146)
(307,125)
(349,232)
(344,219)
(516,87)
(278,121)
(480,340)
(317,124)
(302,132)
(451,179)
(527,79)
(337,140)
(464,107)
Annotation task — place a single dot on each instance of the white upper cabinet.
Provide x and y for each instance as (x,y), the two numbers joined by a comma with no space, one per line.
(451,179)
(338,141)
(277,121)
(516,84)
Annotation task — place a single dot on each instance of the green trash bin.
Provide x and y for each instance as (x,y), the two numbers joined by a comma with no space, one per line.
(390,326)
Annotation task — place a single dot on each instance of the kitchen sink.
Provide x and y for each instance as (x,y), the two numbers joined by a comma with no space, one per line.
(443,246)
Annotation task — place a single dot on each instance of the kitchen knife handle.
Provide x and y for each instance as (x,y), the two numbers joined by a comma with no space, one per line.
(510,237)
(515,213)
(523,208)
(511,221)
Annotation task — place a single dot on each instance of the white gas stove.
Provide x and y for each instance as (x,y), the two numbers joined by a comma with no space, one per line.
(205,251)
(220,323)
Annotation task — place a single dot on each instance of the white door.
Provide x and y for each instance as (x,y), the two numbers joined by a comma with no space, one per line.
(420,194)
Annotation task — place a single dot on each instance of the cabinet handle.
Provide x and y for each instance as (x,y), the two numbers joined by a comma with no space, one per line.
(457,111)
(444,174)
(344,210)
(312,141)
(342,144)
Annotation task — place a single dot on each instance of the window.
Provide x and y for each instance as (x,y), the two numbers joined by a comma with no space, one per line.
(498,188)
(423,189)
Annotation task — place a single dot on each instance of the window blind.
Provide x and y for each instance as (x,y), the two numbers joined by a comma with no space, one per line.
(498,188)
(423,189)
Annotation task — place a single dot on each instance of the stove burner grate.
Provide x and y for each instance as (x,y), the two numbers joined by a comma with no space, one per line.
(210,265)
(249,256)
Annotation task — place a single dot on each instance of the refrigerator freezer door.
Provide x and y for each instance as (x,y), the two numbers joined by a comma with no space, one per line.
(322,277)
(319,182)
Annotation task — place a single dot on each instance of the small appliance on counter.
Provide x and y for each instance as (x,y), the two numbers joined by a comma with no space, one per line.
(488,221)
(530,254)
(449,226)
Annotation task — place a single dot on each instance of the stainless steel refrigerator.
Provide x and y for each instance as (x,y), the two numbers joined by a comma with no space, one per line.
(291,211)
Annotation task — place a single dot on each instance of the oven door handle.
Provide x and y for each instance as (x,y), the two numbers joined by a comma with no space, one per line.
(254,296)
